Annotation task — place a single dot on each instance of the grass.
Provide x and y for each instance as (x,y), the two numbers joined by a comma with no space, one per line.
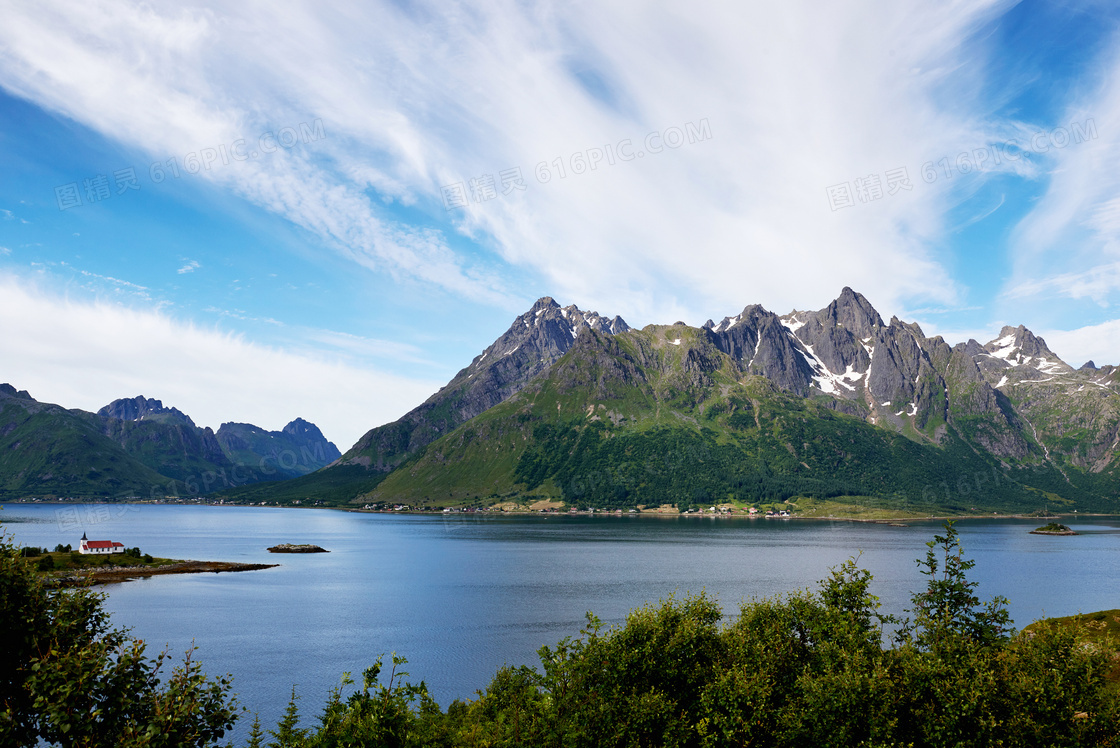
(74,561)
(851,507)
(1100,629)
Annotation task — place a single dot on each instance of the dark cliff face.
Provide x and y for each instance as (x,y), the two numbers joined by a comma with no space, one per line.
(141,408)
(758,341)
(10,391)
(165,439)
(535,341)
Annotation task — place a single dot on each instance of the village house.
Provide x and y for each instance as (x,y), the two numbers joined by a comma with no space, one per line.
(99,546)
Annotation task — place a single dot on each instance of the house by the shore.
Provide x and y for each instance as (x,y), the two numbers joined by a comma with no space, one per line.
(99,546)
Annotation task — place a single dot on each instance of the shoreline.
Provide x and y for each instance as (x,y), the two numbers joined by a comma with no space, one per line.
(130,573)
(438,512)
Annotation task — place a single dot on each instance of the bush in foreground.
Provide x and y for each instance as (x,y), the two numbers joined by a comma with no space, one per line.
(809,669)
(68,678)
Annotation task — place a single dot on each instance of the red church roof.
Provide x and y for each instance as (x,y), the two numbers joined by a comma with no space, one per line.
(103,544)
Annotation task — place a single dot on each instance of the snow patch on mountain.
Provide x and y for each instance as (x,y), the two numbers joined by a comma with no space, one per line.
(793,325)
(825,380)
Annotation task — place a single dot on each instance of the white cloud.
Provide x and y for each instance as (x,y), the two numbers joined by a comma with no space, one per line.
(211,375)
(798,95)
(190,267)
(5,251)
(98,62)
(367,348)
(1096,283)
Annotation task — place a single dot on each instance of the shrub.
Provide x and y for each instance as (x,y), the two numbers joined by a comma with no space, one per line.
(806,669)
(67,677)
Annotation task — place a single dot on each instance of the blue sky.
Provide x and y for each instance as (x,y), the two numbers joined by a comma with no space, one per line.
(323,251)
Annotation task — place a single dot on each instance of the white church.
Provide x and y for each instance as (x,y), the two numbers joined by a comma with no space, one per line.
(100,546)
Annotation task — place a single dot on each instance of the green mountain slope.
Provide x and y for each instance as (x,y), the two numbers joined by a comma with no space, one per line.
(662,416)
(48,451)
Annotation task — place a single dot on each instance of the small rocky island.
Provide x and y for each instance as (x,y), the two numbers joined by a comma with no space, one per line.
(1053,529)
(289,548)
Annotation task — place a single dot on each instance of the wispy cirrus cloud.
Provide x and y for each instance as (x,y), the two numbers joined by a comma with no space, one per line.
(1068,245)
(798,97)
(96,64)
(367,348)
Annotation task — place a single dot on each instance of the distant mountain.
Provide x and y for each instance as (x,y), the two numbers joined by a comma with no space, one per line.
(46,450)
(821,403)
(298,449)
(139,447)
(164,439)
(141,408)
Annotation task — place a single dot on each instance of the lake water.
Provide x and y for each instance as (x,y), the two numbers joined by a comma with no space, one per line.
(461,595)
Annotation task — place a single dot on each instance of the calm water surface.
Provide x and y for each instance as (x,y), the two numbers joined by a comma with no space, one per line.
(459,596)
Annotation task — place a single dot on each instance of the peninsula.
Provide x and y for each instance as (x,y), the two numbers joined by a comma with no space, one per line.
(63,567)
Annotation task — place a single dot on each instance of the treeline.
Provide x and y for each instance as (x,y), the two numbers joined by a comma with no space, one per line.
(661,466)
(816,455)
(806,669)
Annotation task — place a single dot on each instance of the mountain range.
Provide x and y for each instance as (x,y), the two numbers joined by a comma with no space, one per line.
(578,407)
(138,448)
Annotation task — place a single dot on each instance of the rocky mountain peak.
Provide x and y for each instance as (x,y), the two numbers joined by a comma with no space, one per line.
(751,313)
(548,329)
(971,348)
(10,391)
(140,408)
(304,430)
(853,311)
(535,341)
(544,302)
(1018,346)
(1088,365)
(913,327)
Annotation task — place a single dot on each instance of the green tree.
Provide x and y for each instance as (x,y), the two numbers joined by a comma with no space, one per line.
(806,669)
(379,713)
(256,734)
(67,677)
(288,733)
(949,609)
